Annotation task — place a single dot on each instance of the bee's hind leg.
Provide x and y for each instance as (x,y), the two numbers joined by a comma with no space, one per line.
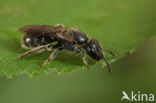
(33,51)
(50,58)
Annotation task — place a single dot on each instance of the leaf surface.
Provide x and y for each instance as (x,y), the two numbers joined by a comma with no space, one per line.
(119,25)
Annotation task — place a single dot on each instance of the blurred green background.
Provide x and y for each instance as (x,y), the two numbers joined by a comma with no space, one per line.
(136,72)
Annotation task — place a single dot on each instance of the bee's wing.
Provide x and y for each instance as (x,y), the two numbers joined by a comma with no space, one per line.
(40,29)
(54,31)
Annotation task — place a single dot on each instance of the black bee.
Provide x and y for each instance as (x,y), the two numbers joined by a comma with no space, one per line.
(38,38)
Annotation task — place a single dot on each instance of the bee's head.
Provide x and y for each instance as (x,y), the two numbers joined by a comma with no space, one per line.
(94,50)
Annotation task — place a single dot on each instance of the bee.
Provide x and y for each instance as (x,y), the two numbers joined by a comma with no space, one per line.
(39,38)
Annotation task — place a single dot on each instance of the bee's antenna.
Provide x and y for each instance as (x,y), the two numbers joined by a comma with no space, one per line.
(109,51)
(108,66)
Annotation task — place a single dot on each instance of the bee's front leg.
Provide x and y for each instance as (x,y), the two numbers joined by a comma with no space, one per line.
(84,58)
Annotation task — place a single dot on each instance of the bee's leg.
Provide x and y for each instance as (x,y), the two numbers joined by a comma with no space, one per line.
(34,50)
(50,58)
(84,58)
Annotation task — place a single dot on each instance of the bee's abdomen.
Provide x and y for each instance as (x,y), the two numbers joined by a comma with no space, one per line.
(32,42)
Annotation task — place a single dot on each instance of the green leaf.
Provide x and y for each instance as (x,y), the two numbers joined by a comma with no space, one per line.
(120,25)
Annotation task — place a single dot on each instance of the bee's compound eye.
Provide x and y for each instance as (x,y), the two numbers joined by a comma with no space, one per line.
(27,40)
